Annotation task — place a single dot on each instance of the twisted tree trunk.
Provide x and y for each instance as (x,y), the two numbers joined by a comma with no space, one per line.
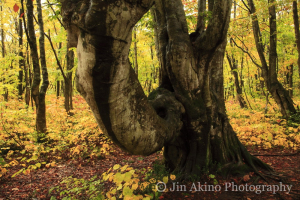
(186,114)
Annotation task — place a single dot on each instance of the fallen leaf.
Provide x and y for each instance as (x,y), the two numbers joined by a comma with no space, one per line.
(246,178)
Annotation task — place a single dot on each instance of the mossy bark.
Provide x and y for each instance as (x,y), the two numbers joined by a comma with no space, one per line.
(216,146)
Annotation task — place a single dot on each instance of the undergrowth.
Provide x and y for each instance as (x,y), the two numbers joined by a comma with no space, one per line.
(78,137)
(125,183)
(264,129)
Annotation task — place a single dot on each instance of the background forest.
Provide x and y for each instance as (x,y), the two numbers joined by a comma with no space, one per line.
(50,144)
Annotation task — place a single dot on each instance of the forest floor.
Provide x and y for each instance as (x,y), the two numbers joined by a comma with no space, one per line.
(37,184)
(77,149)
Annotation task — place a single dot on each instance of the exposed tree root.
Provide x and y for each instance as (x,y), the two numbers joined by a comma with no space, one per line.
(254,162)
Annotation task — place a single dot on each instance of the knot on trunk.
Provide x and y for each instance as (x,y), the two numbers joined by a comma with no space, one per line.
(168,108)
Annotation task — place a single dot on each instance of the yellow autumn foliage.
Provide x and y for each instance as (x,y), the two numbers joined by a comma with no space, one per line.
(254,128)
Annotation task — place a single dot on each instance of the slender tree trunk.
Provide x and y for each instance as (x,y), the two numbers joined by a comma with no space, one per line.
(22,60)
(297,33)
(233,63)
(68,83)
(41,111)
(27,70)
(57,81)
(35,60)
(250,82)
(57,88)
(136,66)
(27,87)
(241,74)
(153,69)
(5,94)
(149,89)
(2,36)
(29,75)
(290,79)
(62,88)
(239,93)
(37,94)
(269,72)
(261,82)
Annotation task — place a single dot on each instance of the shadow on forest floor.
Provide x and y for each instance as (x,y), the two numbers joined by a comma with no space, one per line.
(37,184)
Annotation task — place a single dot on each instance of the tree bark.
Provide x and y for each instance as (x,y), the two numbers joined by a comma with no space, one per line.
(27,71)
(22,60)
(68,81)
(5,94)
(28,80)
(239,93)
(290,79)
(38,94)
(269,72)
(186,114)
(297,33)
(136,66)
(153,69)
(58,63)
(31,38)
(27,89)
(41,111)
(2,37)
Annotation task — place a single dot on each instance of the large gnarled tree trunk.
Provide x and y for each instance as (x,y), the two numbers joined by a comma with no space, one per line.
(186,114)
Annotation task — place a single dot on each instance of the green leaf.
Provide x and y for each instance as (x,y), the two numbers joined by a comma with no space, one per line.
(38,165)
(127,191)
(20,171)
(211,176)
(127,176)
(119,177)
(2,162)
(51,189)
(117,166)
(165,179)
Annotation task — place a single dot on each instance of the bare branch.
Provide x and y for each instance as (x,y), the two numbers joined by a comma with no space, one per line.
(246,53)
(246,9)
(57,60)
(246,6)
(55,13)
